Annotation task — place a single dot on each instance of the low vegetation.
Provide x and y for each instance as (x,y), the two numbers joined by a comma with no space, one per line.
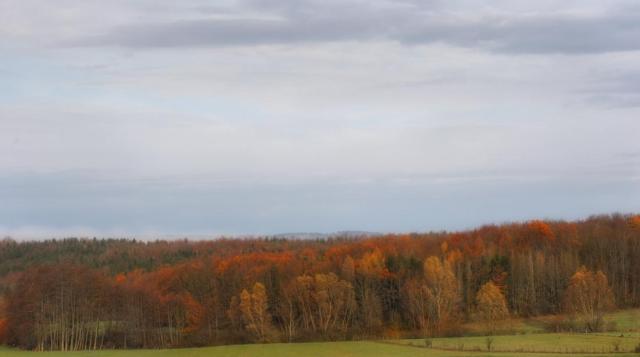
(526,339)
(453,347)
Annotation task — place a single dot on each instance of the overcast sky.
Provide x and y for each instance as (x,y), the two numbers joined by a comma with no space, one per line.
(271,116)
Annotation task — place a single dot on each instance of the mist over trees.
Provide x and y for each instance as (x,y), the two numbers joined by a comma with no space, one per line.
(91,294)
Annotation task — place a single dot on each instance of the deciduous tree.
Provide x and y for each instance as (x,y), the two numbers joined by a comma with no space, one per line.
(256,317)
(589,296)
(442,291)
(491,305)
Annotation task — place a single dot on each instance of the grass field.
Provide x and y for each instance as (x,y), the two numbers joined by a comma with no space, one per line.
(624,321)
(327,349)
(529,342)
(545,343)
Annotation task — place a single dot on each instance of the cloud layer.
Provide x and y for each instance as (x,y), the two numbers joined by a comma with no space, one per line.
(500,29)
(268,116)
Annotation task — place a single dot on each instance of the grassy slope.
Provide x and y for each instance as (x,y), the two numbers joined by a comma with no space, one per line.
(560,343)
(530,336)
(628,322)
(625,321)
(328,349)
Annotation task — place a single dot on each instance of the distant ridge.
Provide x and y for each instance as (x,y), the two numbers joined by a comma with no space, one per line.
(315,235)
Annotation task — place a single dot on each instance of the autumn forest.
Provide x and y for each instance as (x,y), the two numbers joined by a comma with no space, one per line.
(79,294)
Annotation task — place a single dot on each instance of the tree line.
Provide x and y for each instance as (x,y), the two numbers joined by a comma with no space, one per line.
(129,294)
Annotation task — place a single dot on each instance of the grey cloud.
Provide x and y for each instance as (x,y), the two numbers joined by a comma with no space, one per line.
(621,90)
(308,21)
(615,101)
(537,34)
(224,32)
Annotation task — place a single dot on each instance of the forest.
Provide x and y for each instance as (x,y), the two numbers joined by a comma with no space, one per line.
(80,294)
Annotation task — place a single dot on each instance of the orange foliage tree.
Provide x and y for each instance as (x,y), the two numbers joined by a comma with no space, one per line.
(589,296)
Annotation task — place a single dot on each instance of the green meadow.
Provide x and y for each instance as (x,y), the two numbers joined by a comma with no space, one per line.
(335,349)
(527,340)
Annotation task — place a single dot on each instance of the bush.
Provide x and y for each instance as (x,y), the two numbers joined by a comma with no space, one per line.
(3,331)
(428,343)
(392,333)
(611,326)
(561,323)
(616,345)
(637,349)
(489,342)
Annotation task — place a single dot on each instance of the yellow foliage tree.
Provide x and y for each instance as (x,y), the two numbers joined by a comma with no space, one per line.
(491,304)
(442,291)
(589,296)
(348,269)
(255,316)
(372,264)
(326,303)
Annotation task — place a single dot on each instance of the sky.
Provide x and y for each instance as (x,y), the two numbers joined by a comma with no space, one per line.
(191,117)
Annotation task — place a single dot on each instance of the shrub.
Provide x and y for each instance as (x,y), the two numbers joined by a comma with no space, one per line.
(489,343)
(616,345)
(392,333)
(561,323)
(428,343)
(3,331)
